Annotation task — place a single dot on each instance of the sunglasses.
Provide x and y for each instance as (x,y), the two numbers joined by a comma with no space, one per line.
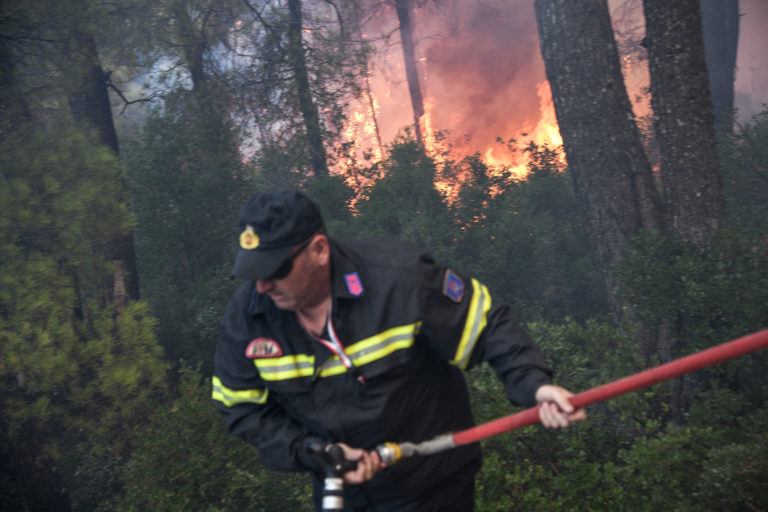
(286,268)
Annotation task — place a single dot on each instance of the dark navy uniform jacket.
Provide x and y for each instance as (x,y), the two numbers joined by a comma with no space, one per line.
(409,327)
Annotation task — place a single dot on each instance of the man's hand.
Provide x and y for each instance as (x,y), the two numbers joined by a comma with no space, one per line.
(368,464)
(556,410)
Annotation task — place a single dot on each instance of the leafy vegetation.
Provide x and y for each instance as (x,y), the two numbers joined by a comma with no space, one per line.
(97,394)
(187,183)
(627,456)
(106,406)
(76,373)
(744,159)
(185,460)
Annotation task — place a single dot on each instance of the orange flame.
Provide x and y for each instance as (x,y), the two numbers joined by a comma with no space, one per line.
(475,99)
(359,133)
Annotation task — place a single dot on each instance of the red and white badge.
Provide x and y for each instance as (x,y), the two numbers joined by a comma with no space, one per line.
(263,347)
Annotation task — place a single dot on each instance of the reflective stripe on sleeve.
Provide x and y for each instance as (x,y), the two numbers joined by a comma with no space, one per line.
(230,397)
(361,353)
(477,318)
(287,367)
(374,348)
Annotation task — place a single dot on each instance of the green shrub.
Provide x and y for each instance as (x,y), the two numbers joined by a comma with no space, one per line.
(186,460)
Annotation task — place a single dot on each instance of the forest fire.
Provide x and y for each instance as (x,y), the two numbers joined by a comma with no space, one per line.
(482,80)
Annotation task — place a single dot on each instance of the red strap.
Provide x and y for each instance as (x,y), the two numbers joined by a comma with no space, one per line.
(335,346)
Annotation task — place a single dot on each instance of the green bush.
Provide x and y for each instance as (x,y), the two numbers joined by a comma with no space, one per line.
(744,165)
(76,371)
(185,460)
(624,457)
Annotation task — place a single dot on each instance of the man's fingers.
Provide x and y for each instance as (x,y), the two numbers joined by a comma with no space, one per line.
(563,403)
(556,408)
(552,416)
(579,415)
(368,464)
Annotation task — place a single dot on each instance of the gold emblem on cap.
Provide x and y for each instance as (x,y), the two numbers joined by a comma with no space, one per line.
(249,239)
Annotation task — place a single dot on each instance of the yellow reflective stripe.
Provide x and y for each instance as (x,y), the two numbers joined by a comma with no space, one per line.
(361,353)
(374,348)
(333,366)
(477,318)
(383,344)
(287,367)
(230,397)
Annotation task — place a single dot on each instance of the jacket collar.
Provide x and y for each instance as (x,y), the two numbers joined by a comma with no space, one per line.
(345,282)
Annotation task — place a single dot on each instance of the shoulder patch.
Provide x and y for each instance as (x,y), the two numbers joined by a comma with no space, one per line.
(453,286)
(263,347)
(354,286)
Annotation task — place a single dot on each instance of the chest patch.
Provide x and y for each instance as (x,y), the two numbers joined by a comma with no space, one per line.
(453,286)
(263,347)
(354,286)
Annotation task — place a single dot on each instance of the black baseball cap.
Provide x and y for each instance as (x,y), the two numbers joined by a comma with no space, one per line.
(270,225)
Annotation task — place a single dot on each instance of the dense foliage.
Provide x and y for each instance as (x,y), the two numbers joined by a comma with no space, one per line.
(628,456)
(107,407)
(199,466)
(187,183)
(522,237)
(744,158)
(526,240)
(76,373)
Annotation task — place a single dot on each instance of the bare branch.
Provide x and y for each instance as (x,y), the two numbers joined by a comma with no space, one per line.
(339,17)
(126,101)
(263,22)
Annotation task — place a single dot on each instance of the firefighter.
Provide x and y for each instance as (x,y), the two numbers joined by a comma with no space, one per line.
(359,342)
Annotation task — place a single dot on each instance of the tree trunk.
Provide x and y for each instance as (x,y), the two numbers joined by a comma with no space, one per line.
(720,23)
(306,104)
(403,8)
(89,99)
(43,487)
(685,132)
(611,173)
(195,46)
(684,122)
(192,46)
(14,109)
(357,17)
(89,103)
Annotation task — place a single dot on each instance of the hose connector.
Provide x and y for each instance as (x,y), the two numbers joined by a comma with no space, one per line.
(389,453)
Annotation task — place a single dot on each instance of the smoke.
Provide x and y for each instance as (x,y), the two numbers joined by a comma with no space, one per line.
(482,74)
(751,87)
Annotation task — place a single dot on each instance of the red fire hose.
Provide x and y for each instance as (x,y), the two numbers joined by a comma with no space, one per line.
(392,452)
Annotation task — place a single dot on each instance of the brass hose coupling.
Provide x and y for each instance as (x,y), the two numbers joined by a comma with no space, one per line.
(390,453)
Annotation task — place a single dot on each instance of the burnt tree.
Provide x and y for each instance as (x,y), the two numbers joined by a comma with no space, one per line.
(306,104)
(403,8)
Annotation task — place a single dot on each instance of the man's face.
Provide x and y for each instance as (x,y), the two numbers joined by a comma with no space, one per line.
(302,287)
